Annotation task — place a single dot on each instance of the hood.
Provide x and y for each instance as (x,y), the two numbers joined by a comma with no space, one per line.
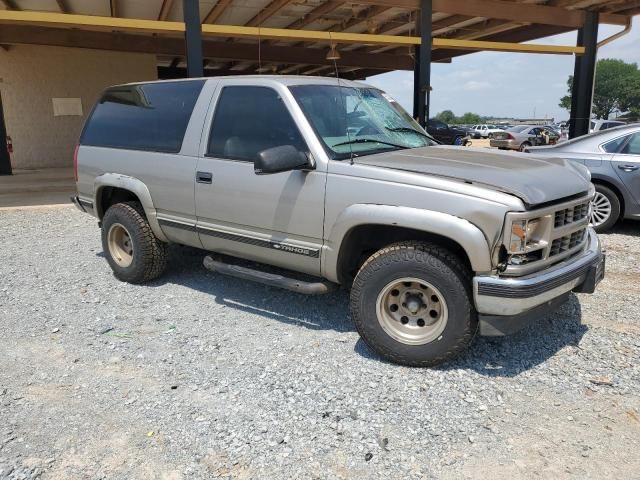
(532,179)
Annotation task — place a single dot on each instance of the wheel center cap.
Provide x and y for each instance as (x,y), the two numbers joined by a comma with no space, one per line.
(413,305)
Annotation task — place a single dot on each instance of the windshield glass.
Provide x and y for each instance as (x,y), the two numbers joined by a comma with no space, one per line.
(358,121)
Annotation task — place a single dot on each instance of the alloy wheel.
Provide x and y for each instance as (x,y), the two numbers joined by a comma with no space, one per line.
(600,209)
(120,245)
(412,311)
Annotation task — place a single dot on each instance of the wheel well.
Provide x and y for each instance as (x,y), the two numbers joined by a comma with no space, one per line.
(364,240)
(111,195)
(613,188)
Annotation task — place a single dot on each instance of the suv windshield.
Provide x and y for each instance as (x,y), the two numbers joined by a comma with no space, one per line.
(358,121)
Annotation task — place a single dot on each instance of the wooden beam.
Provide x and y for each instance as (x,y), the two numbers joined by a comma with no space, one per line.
(216,12)
(62,6)
(267,12)
(500,9)
(316,13)
(238,51)
(114,8)
(154,26)
(165,9)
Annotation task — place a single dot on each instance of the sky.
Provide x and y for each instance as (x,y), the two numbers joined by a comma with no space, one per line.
(499,84)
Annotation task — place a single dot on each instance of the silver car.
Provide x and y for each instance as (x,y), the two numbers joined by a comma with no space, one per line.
(332,183)
(522,136)
(613,157)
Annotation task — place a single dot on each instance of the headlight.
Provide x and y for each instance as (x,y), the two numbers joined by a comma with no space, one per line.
(525,234)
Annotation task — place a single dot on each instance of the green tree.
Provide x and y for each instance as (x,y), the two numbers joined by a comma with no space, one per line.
(447,116)
(617,88)
(470,118)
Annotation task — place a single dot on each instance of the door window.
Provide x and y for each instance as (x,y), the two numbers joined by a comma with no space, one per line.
(249,120)
(438,124)
(614,145)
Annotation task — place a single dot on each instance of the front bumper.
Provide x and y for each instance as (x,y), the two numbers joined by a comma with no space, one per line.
(510,297)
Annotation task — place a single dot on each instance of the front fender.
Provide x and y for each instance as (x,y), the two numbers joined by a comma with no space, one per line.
(136,187)
(466,234)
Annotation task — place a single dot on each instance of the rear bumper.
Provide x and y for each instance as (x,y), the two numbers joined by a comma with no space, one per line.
(513,298)
(511,144)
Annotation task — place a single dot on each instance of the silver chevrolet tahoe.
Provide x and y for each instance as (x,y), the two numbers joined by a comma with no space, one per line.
(327,182)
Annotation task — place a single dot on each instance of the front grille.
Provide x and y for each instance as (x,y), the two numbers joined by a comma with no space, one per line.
(570,215)
(568,242)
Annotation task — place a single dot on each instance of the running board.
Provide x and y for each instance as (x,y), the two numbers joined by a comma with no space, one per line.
(274,280)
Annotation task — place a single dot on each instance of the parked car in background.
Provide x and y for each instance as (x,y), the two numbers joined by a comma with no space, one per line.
(523,136)
(447,134)
(613,157)
(487,131)
(597,125)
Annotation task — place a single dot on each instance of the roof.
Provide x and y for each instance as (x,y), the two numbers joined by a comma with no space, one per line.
(514,21)
(288,80)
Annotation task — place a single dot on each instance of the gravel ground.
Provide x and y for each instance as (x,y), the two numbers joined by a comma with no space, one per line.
(202,376)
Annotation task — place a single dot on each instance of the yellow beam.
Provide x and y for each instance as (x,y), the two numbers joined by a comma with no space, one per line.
(505,46)
(156,26)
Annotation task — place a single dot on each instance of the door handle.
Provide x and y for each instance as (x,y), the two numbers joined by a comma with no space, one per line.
(628,168)
(204,177)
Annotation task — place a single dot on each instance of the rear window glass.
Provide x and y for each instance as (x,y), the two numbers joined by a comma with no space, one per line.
(613,146)
(152,116)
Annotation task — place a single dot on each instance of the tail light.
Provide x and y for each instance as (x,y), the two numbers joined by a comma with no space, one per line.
(75,162)
(510,137)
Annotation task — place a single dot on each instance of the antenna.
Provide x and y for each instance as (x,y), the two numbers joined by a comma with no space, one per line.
(344,103)
(259,49)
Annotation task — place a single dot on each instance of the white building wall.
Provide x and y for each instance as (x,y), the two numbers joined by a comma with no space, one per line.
(31,76)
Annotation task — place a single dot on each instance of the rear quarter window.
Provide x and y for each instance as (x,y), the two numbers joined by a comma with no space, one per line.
(152,116)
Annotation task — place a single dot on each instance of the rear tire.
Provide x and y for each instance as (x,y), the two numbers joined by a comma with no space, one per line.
(133,252)
(524,146)
(458,140)
(420,330)
(606,209)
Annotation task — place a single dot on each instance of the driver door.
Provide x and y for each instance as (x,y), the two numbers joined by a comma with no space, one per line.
(627,165)
(275,219)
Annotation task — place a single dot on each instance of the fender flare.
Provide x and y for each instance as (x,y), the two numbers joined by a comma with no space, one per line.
(466,234)
(135,186)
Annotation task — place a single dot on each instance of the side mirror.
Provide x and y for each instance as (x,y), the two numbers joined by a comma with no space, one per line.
(280,159)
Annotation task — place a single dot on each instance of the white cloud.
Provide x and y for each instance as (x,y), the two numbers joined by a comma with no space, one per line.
(475,85)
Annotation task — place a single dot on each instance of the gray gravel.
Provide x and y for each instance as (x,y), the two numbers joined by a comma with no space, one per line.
(201,376)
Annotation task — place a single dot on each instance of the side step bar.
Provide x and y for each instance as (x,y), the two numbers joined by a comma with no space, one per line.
(274,280)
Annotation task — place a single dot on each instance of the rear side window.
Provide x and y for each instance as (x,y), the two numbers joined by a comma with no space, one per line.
(152,116)
(613,146)
(248,120)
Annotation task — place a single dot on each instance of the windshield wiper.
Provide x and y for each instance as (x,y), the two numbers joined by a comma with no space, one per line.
(408,130)
(370,140)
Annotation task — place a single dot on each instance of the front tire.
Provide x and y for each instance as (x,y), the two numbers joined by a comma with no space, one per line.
(133,252)
(605,209)
(411,303)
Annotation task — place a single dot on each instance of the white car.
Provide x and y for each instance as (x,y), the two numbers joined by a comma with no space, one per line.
(597,125)
(487,131)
